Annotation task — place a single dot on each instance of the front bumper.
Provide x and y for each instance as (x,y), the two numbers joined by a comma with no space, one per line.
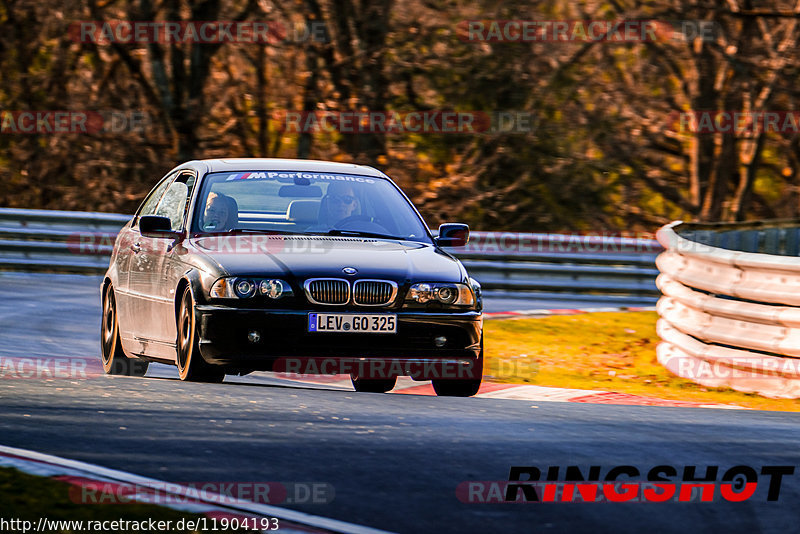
(223,333)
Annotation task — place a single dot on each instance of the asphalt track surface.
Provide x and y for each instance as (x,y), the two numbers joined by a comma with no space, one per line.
(394,460)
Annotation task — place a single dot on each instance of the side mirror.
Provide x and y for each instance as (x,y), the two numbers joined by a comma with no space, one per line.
(157,227)
(453,235)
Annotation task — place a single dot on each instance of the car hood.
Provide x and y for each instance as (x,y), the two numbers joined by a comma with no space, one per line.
(303,257)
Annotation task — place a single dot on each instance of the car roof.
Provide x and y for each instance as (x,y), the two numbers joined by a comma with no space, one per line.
(280,164)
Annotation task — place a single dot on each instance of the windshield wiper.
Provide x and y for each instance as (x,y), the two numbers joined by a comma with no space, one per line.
(249,231)
(356,233)
(265,231)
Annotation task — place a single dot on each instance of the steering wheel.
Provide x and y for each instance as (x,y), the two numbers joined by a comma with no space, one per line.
(351,219)
(362,223)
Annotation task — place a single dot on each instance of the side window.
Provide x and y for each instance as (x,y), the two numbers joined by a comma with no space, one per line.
(151,202)
(175,200)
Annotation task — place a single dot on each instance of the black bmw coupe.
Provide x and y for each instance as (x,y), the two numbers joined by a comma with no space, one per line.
(238,265)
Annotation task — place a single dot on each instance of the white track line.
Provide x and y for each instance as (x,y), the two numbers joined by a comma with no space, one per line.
(264,510)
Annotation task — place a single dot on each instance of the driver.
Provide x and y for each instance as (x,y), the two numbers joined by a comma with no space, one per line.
(217,214)
(339,203)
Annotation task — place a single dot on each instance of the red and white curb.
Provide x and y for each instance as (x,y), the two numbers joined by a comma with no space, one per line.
(536,393)
(526,392)
(563,311)
(87,475)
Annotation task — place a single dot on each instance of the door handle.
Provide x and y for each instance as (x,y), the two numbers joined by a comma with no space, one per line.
(136,248)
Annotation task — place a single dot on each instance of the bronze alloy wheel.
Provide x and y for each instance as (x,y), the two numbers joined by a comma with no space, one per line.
(191,365)
(114,360)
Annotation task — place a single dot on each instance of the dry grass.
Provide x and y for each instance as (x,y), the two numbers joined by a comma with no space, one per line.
(601,351)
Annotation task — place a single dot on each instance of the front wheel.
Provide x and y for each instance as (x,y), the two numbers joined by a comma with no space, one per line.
(191,365)
(463,387)
(456,388)
(114,360)
(373,385)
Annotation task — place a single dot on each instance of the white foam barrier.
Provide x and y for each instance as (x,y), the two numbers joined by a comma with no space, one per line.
(731,318)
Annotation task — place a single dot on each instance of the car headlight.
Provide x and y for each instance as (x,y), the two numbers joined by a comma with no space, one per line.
(476,288)
(244,288)
(274,289)
(449,294)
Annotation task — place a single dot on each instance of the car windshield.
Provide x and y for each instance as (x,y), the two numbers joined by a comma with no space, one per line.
(305,203)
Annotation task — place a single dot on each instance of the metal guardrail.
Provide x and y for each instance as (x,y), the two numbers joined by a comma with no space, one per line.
(562,266)
(567,267)
(57,241)
(730,310)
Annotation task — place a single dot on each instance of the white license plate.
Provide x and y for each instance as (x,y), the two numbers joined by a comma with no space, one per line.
(354,323)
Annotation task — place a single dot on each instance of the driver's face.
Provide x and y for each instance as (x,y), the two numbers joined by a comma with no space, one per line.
(341,202)
(215,214)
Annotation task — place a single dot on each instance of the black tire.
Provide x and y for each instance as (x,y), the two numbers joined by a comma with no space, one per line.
(456,388)
(466,387)
(114,360)
(191,365)
(373,385)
